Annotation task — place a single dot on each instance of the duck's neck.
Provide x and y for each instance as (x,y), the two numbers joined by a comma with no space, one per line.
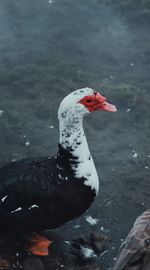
(74,151)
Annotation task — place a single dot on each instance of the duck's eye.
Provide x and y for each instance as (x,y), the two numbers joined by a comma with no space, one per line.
(147,242)
(89,100)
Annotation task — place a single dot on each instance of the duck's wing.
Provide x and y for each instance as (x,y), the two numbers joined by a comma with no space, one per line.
(22,183)
(136,245)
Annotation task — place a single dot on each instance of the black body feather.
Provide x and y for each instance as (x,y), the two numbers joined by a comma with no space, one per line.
(42,193)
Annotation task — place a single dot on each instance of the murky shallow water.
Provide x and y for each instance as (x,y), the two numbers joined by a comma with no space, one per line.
(48,49)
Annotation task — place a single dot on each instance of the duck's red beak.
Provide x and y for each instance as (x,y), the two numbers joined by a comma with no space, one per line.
(102,104)
(97,102)
(108,107)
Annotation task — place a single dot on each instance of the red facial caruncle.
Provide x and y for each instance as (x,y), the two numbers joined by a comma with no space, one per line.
(97,102)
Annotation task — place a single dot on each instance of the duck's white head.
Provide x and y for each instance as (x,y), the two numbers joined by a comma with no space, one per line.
(83,101)
(72,138)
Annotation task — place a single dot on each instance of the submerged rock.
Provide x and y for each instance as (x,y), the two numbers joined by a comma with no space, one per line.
(80,254)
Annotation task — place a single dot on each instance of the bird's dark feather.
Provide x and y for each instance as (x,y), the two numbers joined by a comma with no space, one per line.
(43,195)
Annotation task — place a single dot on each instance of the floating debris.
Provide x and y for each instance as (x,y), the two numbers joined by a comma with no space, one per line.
(50,1)
(88,252)
(132,64)
(51,126)
(128,110)
(146,167)
(111,77)
(91,221)
(27,143)
(134,154)
(1,112)
(109,202)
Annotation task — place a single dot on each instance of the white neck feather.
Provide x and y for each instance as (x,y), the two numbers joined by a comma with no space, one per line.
(72,138)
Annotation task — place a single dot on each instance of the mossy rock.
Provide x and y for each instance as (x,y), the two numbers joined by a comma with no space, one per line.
(125,95)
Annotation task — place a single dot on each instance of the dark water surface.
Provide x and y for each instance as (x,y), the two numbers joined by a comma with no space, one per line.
(48,49)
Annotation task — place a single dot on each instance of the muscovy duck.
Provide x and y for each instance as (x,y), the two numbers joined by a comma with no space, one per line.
(135,250)
(44,193)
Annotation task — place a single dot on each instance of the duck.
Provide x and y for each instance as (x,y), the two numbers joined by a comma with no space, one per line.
(135,251)
(43,193)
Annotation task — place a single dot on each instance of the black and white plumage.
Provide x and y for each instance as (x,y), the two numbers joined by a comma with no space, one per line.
(45,193)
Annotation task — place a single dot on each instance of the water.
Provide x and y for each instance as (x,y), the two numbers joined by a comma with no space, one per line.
(49,48)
